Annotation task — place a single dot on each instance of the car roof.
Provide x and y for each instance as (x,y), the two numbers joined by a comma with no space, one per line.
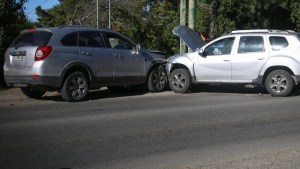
(68,27)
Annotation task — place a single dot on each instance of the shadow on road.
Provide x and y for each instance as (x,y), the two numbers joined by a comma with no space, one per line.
(136,91)
(104,93)
(229,88)
(235,88)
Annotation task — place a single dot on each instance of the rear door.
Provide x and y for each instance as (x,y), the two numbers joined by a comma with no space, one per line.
(94,53)
(251,55)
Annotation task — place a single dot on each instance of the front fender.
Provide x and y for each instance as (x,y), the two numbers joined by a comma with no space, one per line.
(154,63)
(181,61)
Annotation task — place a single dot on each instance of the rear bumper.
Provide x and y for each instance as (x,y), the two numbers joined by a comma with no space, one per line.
(46,81)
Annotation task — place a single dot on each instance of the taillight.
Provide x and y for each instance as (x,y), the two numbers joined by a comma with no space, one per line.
(42,52)
(31,29)
(4,56)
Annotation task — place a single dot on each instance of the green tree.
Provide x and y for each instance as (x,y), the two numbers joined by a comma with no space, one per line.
(144,21)
(217,17)
(150,22)
(295,13)
(160,19)
(11,17)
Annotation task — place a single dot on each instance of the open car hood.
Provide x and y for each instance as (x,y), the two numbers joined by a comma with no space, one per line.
(191,38)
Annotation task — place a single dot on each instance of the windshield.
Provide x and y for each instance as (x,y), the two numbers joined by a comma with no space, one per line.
(36,38)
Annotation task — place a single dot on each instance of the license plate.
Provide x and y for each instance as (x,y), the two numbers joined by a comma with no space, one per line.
(19,58)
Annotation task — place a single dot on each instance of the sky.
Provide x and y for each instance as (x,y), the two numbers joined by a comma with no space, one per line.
(32,4)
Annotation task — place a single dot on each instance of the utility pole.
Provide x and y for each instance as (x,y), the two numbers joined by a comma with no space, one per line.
(183,17)
(191,23)
(109,15)
(182,22)
(97,13)
(192,14)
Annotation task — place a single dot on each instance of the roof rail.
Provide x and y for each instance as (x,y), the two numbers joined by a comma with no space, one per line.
(82,26)
(261,31)
(251,31)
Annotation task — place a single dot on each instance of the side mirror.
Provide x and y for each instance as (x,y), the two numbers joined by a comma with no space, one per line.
(137,48)
(202,53)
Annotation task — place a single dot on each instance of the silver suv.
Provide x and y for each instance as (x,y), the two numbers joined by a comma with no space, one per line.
(74,59)
(270,58)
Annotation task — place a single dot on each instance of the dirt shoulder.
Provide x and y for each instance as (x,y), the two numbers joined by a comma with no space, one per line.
(15,95)
(276,160)
(11,94)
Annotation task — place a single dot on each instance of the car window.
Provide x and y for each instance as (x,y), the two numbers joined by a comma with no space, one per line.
(251,44)
(298,35)
(220,47)
(278,42)
(70,39)
(90,39)
(117,42)
(34,38)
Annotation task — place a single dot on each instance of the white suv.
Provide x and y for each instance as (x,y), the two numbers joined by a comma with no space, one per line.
(270,58)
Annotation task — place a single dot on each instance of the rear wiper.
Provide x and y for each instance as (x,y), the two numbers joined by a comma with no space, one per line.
(23,44)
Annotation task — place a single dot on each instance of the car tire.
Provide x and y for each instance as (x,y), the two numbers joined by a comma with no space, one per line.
(32,93)
(157,79)
(180,81)
(279,83)
(75,87)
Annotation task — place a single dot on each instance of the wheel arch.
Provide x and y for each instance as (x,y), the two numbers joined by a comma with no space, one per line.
(180,61)
(180,66)
(272,68)
(73,67)
(153,65)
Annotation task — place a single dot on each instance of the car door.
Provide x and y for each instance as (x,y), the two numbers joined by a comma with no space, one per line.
(128,64)
(215,64)
(93,53)
(251,55)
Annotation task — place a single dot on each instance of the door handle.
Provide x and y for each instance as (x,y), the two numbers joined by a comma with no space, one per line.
(260,58)
(118,56)
(86,53)
(226,60)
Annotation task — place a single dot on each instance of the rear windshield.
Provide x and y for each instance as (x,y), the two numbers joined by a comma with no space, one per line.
(36,38)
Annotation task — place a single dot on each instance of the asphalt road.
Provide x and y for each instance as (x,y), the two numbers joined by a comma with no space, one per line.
(214,128)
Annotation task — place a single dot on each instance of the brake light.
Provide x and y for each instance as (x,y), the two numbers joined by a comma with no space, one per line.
(42,53)
(35,76)
(31,29)
(4,56)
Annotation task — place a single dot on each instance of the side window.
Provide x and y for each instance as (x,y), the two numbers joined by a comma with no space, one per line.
(90,39)
(70,39)
(220,47)
(298,35)
(278,42)
(117,42)
(251,44)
